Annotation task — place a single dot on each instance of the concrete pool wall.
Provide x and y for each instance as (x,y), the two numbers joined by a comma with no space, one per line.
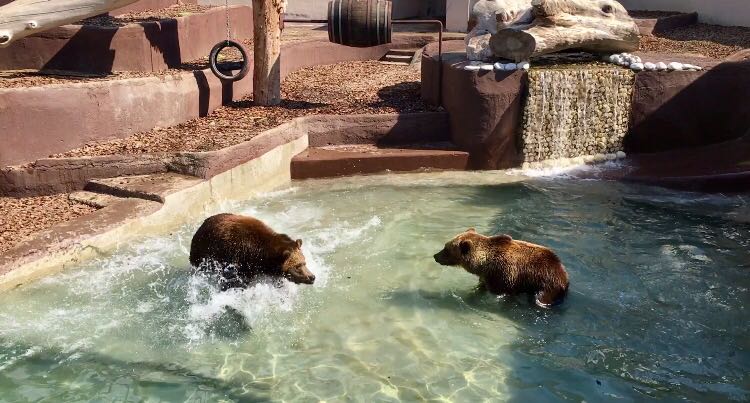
(183,197)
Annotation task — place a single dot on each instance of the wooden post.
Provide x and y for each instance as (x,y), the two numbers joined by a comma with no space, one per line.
(22,18)
(267,51)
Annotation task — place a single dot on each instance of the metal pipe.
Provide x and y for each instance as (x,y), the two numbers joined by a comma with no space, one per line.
(437,23)
(440,49)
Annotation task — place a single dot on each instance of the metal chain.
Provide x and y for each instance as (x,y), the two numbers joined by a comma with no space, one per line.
(226,14)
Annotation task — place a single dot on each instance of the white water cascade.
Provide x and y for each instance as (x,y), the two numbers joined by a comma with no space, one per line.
(576,115)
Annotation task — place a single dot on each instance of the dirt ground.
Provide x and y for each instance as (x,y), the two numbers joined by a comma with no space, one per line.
(713,41)
(177,10)
(25,216)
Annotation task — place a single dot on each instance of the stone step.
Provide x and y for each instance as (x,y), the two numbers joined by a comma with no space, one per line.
(403,52)
(97,200)
(361,159)
(398,56)
(155,187)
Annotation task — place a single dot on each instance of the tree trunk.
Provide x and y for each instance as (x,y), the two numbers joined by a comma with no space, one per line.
(519,45)
(22,18)
(267,52)
(554,29)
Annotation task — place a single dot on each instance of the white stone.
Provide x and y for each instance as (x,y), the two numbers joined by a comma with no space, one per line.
(510,66)
(637,66)
(499,66)
(621,154)
(611,157)
(614,58)
(661,66)
(676,66)
(524,65)
(472,67)
(637,59)
(649,66)
(600,158)
(487,67)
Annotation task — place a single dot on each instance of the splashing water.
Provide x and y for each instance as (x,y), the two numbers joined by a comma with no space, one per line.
(576,112)
(656,310)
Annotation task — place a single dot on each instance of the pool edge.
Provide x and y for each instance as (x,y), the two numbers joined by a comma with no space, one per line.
(136,218)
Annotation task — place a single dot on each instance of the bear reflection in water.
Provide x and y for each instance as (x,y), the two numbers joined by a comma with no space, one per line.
(241,249)
(507,266)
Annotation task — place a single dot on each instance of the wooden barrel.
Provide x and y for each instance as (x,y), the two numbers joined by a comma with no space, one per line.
(359,23)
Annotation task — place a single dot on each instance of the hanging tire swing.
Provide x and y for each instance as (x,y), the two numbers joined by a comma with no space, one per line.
(224,70)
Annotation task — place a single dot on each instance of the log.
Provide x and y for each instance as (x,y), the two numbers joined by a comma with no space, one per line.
(267,51)
(568,24)
(22,18)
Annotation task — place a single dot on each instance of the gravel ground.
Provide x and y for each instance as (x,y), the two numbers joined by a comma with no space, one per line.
(26,216)
(709,40)
(177,10)
(344,88)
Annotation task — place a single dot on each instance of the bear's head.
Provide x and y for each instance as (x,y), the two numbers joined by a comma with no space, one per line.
(294,267)
(468,249)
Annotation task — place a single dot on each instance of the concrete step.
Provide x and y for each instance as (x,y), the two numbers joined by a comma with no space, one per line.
(398,56)
(155,187)
(403,52)
(97,200)
(361,159)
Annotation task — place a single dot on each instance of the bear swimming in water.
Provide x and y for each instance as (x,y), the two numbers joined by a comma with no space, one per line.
(507,266)
(244,248)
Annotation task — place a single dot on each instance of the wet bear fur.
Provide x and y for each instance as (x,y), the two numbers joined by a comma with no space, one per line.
(241,248)
(507,266)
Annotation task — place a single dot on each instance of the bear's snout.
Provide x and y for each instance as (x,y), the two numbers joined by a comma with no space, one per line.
(441,258)
(301,275)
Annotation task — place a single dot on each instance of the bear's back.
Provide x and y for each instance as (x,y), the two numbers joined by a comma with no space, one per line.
(232,239)
(538,266)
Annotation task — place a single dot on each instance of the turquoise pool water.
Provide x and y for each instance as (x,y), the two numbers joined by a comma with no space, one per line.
(657,311)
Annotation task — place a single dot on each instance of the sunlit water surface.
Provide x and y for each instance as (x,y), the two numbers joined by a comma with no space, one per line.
(658,307)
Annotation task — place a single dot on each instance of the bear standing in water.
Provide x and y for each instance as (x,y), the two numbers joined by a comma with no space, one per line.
(244,247)
(507,266)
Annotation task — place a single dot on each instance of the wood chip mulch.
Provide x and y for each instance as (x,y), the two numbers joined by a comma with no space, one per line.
(177,10)
(22,217)
(344,88)
(713,41)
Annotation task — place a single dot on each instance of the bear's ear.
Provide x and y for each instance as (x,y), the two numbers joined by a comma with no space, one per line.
(465,247)
(501,238)
(299,243)
(471,230)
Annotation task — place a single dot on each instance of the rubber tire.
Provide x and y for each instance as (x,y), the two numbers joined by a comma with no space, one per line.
(213,60)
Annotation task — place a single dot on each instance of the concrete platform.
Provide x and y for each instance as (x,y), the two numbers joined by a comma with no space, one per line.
(150,46)
(723,167)
(345,160)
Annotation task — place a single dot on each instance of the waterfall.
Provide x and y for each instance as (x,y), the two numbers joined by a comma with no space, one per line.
(575,112)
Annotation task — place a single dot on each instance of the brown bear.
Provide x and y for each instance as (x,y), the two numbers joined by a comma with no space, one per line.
(241,248)
(507,266)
